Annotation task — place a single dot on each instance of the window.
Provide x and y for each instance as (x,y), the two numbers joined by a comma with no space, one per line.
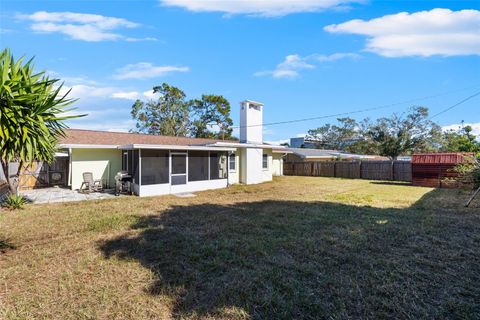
(218,165)
(197,165)
(265,161)
(155,167)
(232,162)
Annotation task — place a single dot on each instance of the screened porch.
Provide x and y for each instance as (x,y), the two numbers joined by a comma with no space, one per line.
(156,171)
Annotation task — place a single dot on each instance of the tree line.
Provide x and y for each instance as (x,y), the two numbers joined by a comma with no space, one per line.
(399,134)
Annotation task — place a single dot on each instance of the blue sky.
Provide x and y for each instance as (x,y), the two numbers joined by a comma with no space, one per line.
(302,59)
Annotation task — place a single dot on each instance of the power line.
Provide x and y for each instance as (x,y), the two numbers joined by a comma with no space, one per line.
(456,105)
(439,113)
(368,109)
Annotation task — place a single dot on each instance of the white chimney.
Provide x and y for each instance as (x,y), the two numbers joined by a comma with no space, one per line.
(251,121)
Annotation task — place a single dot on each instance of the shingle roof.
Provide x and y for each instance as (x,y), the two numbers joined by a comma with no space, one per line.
(80,136)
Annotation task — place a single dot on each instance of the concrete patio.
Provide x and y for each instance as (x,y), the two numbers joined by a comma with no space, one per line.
(56,194)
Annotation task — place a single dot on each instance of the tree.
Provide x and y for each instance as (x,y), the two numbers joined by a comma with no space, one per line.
(399,135)
(335,136)
(347,135)
(169,115)
(461,140)
(211,111)
(172,115)
(392,136)
(32,111)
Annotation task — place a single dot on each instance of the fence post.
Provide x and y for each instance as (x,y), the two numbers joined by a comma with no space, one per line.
(392,168)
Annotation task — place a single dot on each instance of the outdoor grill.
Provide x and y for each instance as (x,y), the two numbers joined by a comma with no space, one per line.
(123,183)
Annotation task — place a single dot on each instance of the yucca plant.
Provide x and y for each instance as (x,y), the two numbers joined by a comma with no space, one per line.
(32,114)
(14,202)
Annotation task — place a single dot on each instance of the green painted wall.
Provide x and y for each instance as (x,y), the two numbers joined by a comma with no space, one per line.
(103,163)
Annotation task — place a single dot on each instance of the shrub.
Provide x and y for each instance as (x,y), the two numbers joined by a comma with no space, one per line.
(14,202)
(469,173)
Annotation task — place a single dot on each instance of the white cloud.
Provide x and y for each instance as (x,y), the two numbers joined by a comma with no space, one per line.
(128,95)
(150,94)
(145,70)
(475,127)
(288,68)
(334,56)
(266,8)
(84,92)
(292,65)
(425,33)
(81,26)
(81,87)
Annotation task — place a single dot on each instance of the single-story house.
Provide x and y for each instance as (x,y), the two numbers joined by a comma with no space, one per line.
(164,164)
(304,154)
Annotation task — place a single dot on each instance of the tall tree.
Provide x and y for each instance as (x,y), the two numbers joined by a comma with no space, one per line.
(335,136)
(32,112)
(211,116)
(400,134)
(168,115)
(347,135)
(461,140)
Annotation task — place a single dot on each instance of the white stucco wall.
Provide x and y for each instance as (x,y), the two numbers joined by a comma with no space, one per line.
(277,168)
(251,166)
(103,163)
(267,173)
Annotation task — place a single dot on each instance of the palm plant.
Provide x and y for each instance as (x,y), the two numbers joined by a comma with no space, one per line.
(32,111)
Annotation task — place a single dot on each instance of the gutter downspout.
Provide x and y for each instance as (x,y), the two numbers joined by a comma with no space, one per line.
(70,167)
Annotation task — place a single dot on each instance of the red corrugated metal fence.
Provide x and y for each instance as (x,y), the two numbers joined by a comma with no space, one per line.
(435,169)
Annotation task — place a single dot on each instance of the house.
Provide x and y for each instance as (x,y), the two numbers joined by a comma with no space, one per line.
(302,154)
(301,142)
(163,164)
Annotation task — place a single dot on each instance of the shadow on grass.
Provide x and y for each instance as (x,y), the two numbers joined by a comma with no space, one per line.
(306,260)
(5,245)
(392,183)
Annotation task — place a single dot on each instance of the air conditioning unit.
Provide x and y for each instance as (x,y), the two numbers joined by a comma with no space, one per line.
(57,178)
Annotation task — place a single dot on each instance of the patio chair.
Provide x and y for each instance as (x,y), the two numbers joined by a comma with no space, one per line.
(89,184)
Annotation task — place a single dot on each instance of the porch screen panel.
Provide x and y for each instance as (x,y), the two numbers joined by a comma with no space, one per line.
(155,167)
(218,165)
(197,165)
(129,161)
(135,171)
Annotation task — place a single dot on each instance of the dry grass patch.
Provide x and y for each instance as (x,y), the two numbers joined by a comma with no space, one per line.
(299,247)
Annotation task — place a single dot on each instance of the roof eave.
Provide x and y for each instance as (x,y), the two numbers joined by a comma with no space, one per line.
(175,147)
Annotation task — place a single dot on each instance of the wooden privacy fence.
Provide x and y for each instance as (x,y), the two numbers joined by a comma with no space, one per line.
(372,170)
(3,184)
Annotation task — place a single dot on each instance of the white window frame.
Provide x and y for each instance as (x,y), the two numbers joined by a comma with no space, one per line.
(268,165)
(235,161)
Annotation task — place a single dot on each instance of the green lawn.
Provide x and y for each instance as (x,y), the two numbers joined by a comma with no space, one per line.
(298,247)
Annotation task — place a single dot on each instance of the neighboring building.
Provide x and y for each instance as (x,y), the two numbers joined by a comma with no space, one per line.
(301,142)
(164,164)
(302,154)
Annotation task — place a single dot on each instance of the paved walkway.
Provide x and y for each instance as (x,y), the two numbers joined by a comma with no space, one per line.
(51,195)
